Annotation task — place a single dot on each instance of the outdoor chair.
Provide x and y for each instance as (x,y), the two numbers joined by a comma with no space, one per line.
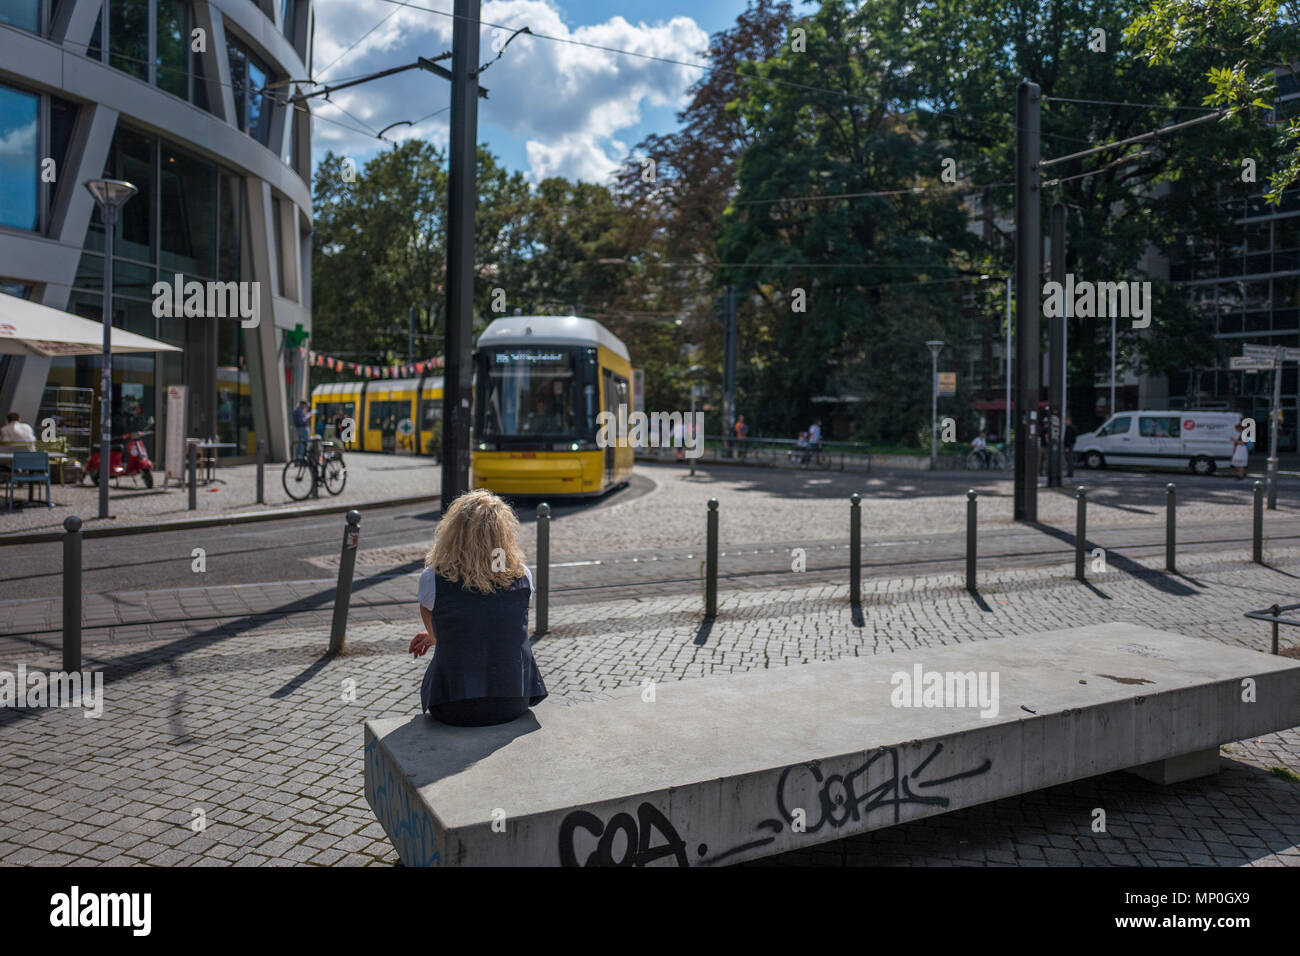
(29,468)
(59,445)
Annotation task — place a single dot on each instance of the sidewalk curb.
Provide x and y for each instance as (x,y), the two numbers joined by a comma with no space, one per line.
(185,524)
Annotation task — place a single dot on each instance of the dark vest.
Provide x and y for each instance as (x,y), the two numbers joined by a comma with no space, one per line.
(483,648)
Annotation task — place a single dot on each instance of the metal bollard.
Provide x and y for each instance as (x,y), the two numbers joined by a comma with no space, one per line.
(1171,500)
(855,548)
(261,467)
(1257,545)
(711,563)
(72,595)
(971,495)
(343,593)
(193,465)
(1080,531)
(543,567)
(1276,611)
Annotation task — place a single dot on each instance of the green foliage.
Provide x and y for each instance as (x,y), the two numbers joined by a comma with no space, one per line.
(1261,36)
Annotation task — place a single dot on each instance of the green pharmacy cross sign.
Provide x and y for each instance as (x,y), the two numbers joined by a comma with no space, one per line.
(297,336)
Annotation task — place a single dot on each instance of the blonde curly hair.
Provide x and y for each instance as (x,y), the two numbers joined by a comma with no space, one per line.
(476,528)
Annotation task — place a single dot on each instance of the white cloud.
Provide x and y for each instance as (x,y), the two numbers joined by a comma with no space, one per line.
(19,142)
(567,103)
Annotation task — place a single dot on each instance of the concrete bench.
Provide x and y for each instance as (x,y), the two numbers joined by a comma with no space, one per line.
(720,770)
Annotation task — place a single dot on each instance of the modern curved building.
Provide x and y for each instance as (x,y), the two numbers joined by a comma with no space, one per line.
(188,100)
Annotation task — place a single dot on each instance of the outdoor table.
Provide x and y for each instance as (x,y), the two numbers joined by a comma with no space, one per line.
(7,460)
(211,460)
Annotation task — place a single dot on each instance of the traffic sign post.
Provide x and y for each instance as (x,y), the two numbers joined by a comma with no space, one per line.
(1246,363)
(1259,358)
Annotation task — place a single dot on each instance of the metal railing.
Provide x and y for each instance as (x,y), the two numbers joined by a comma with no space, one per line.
(773,452)
(1274,616)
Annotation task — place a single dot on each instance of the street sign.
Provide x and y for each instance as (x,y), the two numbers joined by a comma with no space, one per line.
(1247,363)
(947,383)
(1260,351)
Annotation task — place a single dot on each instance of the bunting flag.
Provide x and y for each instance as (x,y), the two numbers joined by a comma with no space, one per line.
(411,370)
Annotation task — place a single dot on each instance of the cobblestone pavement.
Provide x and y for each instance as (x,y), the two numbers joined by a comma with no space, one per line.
(246,723)
(371,477)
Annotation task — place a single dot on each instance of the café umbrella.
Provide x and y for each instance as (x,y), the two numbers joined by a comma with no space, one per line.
(29,328)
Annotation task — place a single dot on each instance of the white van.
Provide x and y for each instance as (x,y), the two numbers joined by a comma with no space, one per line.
(1200,441)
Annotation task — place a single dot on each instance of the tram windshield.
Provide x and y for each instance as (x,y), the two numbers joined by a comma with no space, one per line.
(532,393)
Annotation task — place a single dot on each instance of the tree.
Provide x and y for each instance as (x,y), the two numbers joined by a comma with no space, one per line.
(1097,88)
(380,248)
(1262,36)
(850,285)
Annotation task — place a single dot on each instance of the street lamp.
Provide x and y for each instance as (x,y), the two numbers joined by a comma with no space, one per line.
(935,347)
(110,196)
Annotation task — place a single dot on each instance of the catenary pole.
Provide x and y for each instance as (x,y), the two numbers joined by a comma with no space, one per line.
(463,156)
(1029,253)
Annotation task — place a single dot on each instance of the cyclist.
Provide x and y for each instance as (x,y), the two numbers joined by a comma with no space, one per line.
(980,446)
(802,449)
(302,428)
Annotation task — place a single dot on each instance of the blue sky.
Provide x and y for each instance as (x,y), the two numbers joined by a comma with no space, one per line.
(554,108)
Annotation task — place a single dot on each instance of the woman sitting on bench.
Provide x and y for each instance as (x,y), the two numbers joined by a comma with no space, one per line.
(474,596)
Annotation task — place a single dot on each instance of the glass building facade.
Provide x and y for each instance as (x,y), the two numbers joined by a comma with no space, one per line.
(169,95)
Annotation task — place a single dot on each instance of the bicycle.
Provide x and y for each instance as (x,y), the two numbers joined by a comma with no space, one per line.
(813,456)
(991,458)
(308,471)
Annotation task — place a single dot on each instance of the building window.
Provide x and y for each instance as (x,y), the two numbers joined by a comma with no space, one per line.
(231,202)
(150,40)
(24,14)
(128,37)
(188,227)
(172,59)
(288,16)
(33,129)
(185,217)
(20,161)
(249,76)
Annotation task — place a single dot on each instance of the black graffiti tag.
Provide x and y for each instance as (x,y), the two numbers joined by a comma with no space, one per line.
(637,833)
(836,800)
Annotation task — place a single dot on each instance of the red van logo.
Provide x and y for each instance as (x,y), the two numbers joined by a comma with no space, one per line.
(1189,424)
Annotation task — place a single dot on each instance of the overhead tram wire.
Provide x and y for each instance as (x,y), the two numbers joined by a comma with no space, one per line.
(707,68)
(355,43)
(1155,106)
(973,188)
(1141,137)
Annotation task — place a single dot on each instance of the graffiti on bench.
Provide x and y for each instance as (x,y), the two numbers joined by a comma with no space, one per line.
(836,798)
(403,817)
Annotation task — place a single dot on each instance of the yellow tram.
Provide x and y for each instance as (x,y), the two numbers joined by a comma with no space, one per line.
(539,383)
(400,414)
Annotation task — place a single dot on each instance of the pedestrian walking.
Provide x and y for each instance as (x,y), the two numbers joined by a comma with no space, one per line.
(474,595)
(1044,443)
(815,435)
(1240,453)
(742,433)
